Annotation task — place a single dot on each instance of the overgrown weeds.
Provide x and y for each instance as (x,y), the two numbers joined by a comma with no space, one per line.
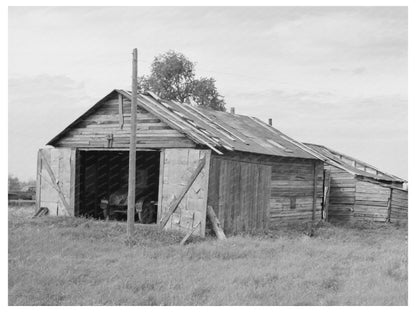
(76,261)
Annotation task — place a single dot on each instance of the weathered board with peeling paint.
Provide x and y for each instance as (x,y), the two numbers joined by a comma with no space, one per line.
(55,180)
(178,167)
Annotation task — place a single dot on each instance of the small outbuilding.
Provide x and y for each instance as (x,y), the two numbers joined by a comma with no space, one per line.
(188,158)
(357,191)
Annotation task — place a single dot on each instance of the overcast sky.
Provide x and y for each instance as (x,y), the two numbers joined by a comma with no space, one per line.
(332,76)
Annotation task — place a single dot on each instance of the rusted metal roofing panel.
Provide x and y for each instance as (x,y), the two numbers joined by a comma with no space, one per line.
(352,165)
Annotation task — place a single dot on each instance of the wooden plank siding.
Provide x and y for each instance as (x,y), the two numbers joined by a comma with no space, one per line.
(239,193)
(252,192)
(353,199)
(399,206)
(292,192)
(371,202)
(94,129)
(341,195)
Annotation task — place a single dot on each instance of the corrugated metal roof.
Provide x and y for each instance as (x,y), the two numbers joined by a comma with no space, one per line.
(220,131)
(352,165)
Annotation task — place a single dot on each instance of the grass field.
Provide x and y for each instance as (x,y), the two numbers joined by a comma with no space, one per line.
(74,261)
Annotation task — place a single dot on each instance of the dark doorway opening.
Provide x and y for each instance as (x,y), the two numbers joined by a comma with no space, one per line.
(101,191)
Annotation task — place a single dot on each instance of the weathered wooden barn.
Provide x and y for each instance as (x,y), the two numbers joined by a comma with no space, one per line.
(359,191)
(253,176)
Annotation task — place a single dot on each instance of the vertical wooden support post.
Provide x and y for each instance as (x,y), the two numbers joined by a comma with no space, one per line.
(38,181)
(314,200)
(131,197)
(327,191)
(72,180)
(120,111)
(95,168)
(160,192)
(389,206)
(77,186)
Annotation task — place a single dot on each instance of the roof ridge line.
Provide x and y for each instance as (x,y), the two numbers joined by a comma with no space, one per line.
(363,163)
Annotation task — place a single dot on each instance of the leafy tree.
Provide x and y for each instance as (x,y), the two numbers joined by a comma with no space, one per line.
(14,184)
(206,95)
(173,78)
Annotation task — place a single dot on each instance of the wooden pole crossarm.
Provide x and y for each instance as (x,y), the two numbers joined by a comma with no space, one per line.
(177,201)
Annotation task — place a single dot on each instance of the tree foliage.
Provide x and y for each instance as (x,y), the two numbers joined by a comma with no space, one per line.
(206,95)
(173,78)
(14,183)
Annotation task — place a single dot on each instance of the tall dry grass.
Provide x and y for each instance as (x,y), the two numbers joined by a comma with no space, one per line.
(73,261)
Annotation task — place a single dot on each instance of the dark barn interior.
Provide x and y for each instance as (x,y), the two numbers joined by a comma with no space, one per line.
(103,184)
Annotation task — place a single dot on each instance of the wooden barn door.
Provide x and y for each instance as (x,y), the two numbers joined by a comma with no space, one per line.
(55,176)
(240,195)
(184,172)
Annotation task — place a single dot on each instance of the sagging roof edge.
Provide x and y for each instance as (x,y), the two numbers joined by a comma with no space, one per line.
(91,110)
(339,164)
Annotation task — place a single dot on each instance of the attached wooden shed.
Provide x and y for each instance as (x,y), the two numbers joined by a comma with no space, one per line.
(359,191)
(253,176)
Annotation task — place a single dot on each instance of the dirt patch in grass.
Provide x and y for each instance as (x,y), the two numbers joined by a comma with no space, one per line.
(76,261)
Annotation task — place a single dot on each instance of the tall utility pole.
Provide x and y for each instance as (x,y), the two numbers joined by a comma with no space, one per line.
(132,154)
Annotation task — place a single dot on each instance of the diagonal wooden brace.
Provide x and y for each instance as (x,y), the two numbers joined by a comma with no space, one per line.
(176,202)
(54,182)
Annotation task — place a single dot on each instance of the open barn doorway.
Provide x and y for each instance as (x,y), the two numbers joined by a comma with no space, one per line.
(102,185)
